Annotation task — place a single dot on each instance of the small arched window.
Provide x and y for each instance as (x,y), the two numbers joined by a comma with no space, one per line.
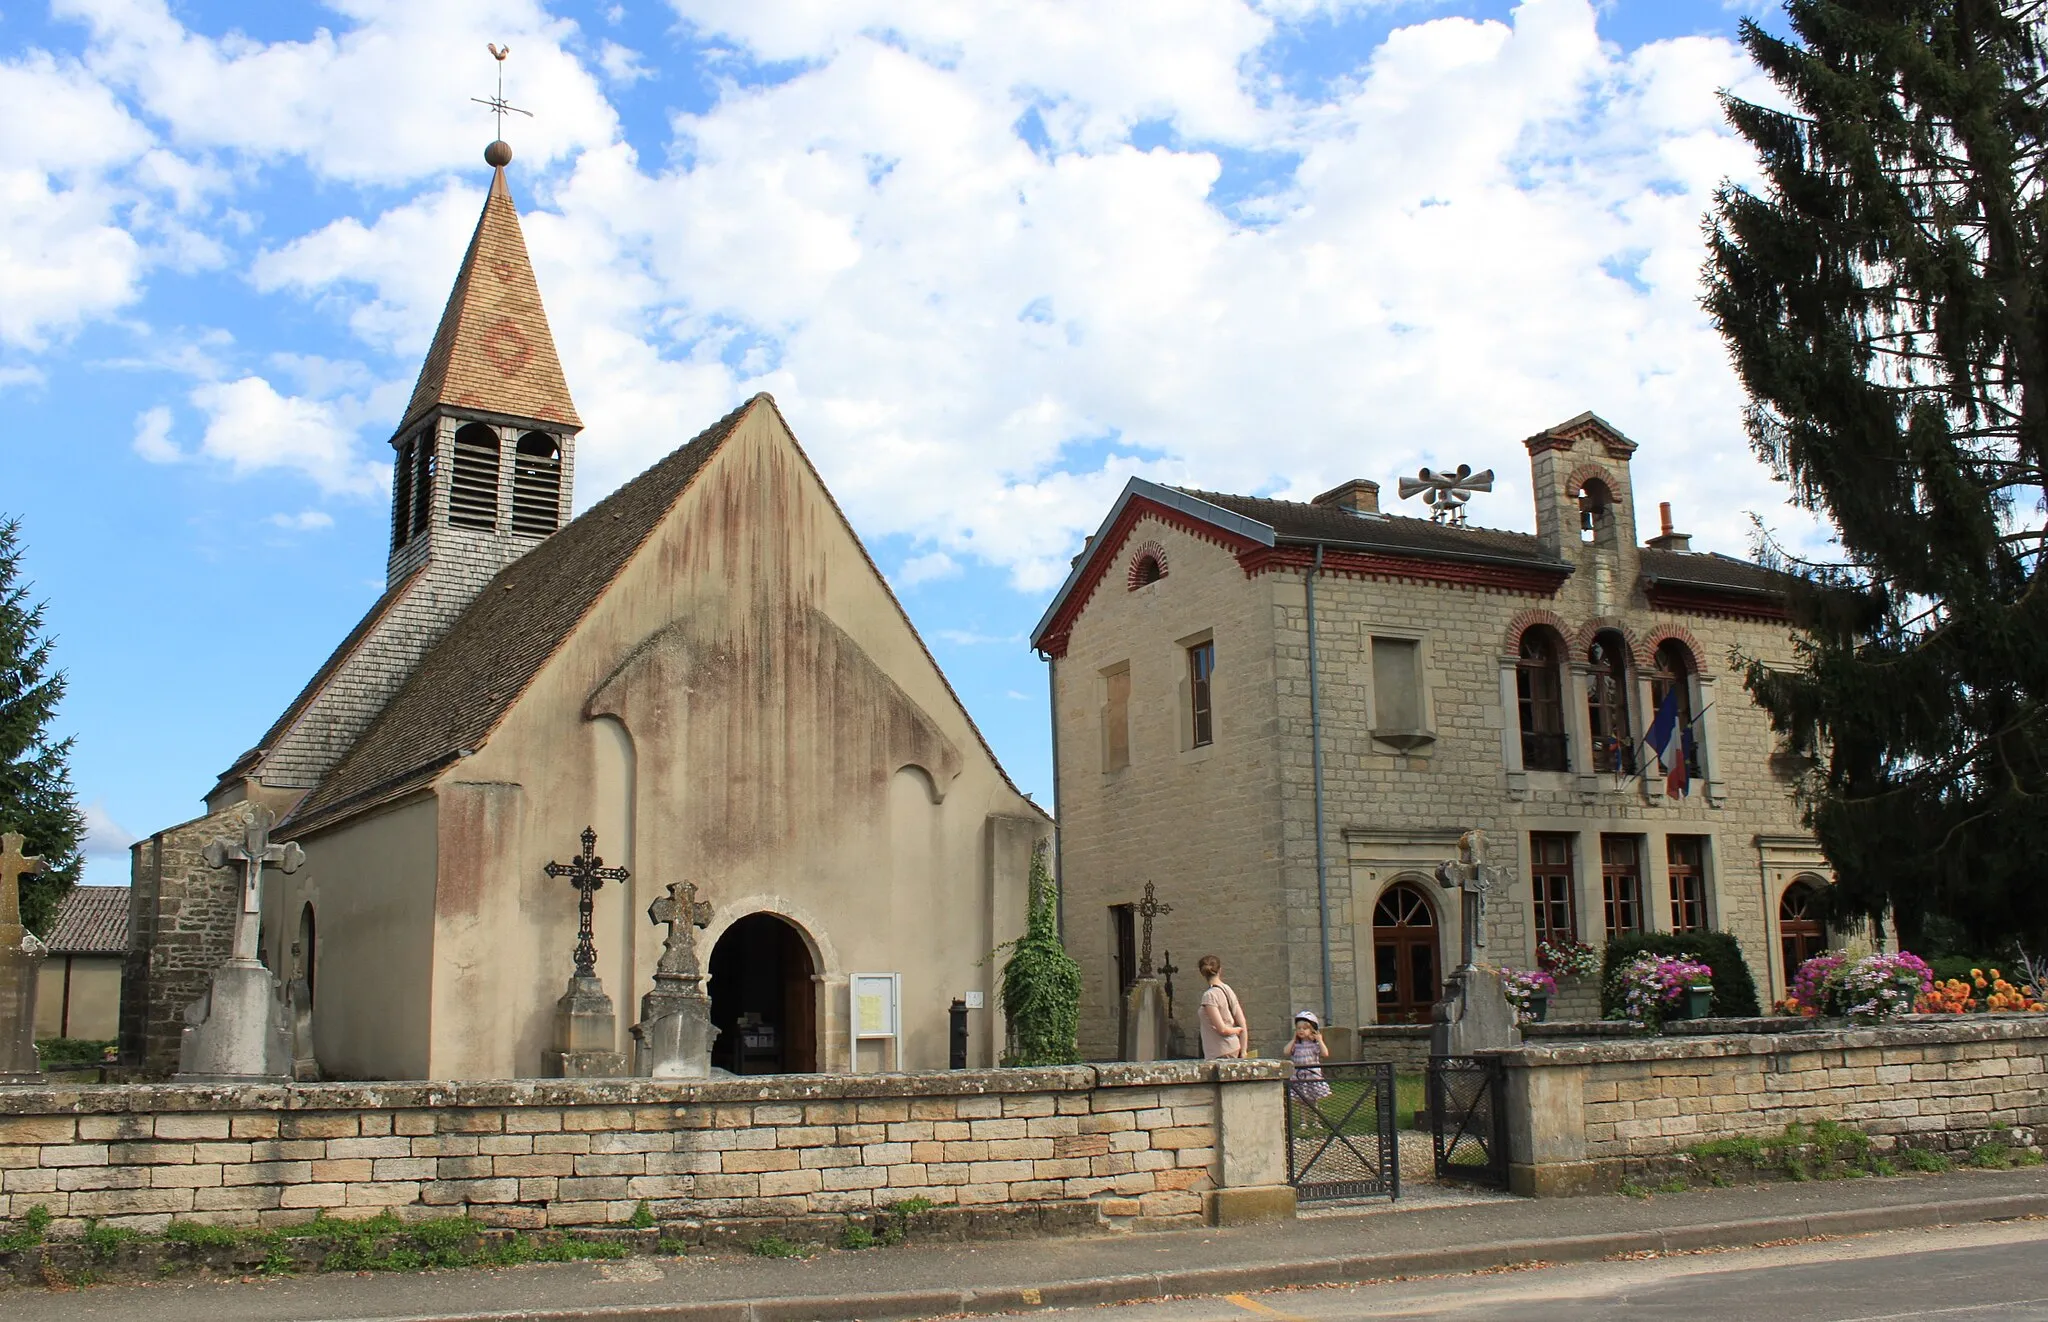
(536,485)
(1539,687)
(1596,511)
(1607,704)
(1146,570)
(1672,682)
(473,487)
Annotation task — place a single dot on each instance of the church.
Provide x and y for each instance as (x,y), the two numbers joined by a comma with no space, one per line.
(705,669)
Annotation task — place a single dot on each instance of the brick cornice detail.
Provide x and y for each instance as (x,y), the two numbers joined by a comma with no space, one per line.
(1673,633)
(1715,605)
(1511,641)
(1404,569)
(1105,553)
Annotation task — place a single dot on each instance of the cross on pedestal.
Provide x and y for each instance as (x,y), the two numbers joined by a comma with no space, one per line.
(252,851)
(1474,879)
(587,874)
(683,913)
(14,865)
(1167,968)
(1148,909)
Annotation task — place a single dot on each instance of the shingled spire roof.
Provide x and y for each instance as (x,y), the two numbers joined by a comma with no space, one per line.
(493,351)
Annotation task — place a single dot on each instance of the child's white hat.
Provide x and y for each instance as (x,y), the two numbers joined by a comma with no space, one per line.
(1309,1015)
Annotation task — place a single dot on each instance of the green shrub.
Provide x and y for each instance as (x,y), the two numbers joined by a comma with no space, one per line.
(1926,1160)
(1041,991)
(909,1206)
(854,1237)
(643,1216)
(102,1242)
(70,1053)
(1734,988)
(2026,1156)
(200,1235)
(1991,1157)
(28,1230)
(775,1246)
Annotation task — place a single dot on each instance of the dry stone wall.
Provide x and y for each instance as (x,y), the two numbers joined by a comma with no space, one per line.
(181,927)
(1136,1141)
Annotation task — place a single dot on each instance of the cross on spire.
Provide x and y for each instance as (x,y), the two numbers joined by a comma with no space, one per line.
(682,912)
(1148,909)
(498,105)
(14,865)
(587,874)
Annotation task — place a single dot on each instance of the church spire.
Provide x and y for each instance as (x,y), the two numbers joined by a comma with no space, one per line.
(493,352)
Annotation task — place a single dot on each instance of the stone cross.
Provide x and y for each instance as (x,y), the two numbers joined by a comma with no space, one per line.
(14,865)
(1475,879)
(587,874)
(1148,909)
(683,913)
(252,851)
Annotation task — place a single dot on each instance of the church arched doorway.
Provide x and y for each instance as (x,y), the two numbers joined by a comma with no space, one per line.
(1404,955)
(1801,933)
(763,999)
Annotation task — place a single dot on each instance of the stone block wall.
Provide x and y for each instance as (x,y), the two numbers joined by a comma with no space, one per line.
(181,927)
(1583,1116)
(1138,1141)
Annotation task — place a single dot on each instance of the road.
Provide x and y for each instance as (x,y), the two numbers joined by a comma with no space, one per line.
(1995,1273)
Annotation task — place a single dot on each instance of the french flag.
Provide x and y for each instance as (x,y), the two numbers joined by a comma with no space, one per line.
(1663,733)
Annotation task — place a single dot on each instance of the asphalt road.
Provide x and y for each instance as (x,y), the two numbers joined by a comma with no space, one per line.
(1996,1273)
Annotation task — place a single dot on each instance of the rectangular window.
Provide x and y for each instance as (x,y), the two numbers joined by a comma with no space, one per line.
(1687,856)
(1621,884)
(1550,877)
(1201,669)
(1397,685)
(1116,719)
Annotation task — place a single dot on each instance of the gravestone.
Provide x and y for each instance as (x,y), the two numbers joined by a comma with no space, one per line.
(1474,1014)
(586,1027)
(240,1030)
(1148,1033)
(674,1036)
(21,962)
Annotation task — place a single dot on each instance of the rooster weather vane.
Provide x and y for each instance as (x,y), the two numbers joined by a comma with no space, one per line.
(498,105)
(1446,493)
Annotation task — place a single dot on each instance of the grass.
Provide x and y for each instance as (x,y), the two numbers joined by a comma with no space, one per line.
(909,1206)
(1926,1160)
(855,1237)
(1824,1150)
(643,1217)
(70,1053)
(775,1246)
(28,1232)
(1410,1096)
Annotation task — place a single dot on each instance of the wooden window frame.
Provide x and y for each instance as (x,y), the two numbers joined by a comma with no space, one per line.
(1621,887)
(1607,706)
(1539,703)
(1688,882)
(1116,718)
(1202,693)
(1545,881)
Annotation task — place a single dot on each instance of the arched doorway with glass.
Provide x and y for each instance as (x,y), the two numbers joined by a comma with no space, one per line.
(1801,932)
(763,998)
(1405,959)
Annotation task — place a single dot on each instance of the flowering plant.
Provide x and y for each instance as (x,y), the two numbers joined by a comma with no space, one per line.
(1522,986)
(1993,994)
(1868,990)
(1649,985)
(1567,958)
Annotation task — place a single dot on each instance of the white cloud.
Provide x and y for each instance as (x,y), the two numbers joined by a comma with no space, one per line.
(622,65)
(927,568)
(303,521)
(103,835)
(251,427)
(20,377)
(153,436)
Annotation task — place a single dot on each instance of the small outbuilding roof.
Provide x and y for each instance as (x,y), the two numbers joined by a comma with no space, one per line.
(91,920)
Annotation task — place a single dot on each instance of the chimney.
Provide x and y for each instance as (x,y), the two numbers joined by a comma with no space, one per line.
(1667,540)
(1087,544)
(1358,496)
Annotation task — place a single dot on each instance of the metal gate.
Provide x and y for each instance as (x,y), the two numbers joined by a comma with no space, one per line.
(1468,1119)
(1342,1144)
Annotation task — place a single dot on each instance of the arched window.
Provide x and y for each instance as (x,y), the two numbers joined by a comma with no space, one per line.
(1607,704)
(1146,570)
(1801,933)
(473,488)
(536,485)
(1404,955)
(1540,691)
(1673,676)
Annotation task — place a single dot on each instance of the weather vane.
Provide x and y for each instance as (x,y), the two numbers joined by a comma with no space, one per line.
(1446,493)
(499,105)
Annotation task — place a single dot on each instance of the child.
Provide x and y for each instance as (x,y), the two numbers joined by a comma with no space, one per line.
(1308,1054)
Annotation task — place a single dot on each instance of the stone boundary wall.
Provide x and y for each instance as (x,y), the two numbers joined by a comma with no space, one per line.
(1583,1116)
(1169,1141)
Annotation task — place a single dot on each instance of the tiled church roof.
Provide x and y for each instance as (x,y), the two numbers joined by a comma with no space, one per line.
(493,351)
(91,920)
(468,680)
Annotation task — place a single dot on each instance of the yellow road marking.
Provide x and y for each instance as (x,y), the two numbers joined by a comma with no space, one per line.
(1031,1296)
(1254,1306)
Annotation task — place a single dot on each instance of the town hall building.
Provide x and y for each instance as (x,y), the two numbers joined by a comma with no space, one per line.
(1283,714)
(705,668)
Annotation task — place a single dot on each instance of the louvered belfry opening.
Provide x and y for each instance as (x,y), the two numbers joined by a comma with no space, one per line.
(473,486)
(536,485)
(424,465)
(401,496)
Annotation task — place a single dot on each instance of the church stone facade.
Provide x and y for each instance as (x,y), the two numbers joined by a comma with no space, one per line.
(705,667)
(1463,677)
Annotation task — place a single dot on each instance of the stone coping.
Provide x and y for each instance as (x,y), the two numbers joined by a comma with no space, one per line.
(116,1098)
(1911,1031)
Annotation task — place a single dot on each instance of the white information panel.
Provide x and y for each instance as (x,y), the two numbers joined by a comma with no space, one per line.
(877,1015)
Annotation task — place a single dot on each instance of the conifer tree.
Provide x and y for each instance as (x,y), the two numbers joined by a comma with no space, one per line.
(1041,982)
(35,778)
(1884,296)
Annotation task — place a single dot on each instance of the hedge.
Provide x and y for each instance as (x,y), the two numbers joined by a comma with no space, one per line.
(1734,988)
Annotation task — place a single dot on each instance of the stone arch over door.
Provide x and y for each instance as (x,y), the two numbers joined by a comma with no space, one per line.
(1407,952)
(765,974)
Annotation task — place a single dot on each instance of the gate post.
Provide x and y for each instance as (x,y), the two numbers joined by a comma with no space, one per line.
(1251,1147)
(1546,1124)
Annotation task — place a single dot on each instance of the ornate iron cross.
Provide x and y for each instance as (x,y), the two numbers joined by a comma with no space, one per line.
(1148,909)
(1167,968)
(682,912)
(587,874)
(14,865)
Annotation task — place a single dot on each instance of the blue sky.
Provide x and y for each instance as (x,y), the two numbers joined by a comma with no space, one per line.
(992,260)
